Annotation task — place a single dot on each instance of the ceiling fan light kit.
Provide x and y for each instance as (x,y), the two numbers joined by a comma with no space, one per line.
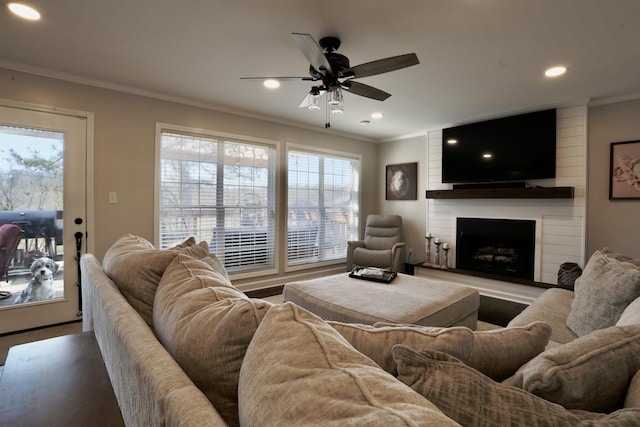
(335,96)
(336,74)
(314,102)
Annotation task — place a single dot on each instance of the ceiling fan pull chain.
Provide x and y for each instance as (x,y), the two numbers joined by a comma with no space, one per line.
(327,123)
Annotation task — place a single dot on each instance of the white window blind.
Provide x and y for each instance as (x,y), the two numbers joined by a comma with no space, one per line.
(322,206)
(222,192)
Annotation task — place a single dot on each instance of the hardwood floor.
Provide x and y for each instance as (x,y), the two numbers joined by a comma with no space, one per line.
(498,311)
(11,339)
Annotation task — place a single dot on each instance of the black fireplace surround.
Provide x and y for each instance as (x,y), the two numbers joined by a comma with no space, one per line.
(502,247)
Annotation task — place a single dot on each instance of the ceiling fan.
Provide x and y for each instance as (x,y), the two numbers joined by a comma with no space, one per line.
(335,74)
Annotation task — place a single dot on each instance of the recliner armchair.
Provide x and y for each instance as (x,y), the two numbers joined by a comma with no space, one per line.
(382,245)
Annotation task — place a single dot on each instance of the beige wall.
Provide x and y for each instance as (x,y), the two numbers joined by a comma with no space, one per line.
(124,146)
(612,223)
(124,159)
(609,223)
(412,211)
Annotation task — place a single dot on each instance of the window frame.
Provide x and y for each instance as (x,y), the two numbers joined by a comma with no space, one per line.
(223,136)
(356,214)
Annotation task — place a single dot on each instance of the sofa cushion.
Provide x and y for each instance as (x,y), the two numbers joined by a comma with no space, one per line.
(472,399)
(607,286)
(298,370)
(590,373)
(499,353)
(136,266)
(377,342)
(206,325)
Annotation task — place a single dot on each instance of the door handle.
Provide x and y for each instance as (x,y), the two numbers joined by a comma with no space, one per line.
(78,236)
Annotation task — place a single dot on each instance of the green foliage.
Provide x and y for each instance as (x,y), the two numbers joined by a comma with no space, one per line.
(31,182)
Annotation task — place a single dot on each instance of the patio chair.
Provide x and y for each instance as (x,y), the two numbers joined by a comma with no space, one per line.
(10,235)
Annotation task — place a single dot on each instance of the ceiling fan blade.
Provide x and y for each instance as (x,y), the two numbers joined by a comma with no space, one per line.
(313,52)
(381,66)
(364,90)
(278,78)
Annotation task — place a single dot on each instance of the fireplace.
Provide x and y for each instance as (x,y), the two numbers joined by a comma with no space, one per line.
(502,247)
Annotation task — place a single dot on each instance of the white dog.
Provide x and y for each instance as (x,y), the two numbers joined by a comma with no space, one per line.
(40,286)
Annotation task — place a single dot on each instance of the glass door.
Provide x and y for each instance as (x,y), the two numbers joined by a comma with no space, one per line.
(42,216)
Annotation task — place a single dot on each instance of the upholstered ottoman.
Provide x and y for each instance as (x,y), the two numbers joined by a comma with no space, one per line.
(408,299)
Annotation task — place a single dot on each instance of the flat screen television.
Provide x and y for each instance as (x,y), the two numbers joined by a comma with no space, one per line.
(511,149)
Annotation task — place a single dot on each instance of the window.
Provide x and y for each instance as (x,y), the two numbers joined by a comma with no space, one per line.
(221,191)
(322,205)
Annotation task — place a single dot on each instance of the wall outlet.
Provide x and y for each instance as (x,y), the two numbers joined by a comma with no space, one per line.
(410,252)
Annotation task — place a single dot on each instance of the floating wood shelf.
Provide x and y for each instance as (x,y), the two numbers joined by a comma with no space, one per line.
(503,193)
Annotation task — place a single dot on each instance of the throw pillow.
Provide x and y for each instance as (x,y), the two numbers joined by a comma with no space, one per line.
(632,399)
(136,266)
(631,314)
(618,256)
(206,329)
(499,353)
(189,242)
(590,373)
(607,286)
(299,371)
(205,271)
(472,399)
(217,266)
(377,342)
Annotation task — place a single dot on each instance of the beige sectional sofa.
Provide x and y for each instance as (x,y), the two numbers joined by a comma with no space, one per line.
(184,347)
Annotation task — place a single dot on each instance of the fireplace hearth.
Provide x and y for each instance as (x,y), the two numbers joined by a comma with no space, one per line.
(501,247)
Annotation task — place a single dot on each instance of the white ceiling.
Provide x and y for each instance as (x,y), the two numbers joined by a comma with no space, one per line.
(479,58)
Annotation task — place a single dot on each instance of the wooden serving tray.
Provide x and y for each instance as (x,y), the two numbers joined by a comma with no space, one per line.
(360,273)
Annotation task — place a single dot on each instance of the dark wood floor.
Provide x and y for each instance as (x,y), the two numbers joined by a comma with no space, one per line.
(498,311)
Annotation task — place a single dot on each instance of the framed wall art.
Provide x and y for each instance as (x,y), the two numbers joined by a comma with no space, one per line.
(624,177)
(402,181)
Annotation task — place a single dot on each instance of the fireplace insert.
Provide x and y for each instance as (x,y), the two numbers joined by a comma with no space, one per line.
(503,247)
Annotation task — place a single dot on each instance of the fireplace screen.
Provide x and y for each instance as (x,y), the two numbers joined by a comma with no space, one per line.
(502,247)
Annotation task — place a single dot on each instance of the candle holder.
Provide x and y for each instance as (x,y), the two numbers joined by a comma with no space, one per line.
(445,256)
(437,257)
(428,260)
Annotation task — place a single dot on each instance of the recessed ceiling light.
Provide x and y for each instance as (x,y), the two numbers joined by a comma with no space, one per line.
(377,116)
(452,141)
(24,11)
(487,156)
(555,71)
(271,84)
(365,122)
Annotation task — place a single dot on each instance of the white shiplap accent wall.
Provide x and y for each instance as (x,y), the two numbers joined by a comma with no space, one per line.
(562,221)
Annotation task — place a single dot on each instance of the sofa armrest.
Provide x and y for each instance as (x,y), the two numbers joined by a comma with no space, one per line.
(351,246)
(552,307)
(397,256)
(148,383)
